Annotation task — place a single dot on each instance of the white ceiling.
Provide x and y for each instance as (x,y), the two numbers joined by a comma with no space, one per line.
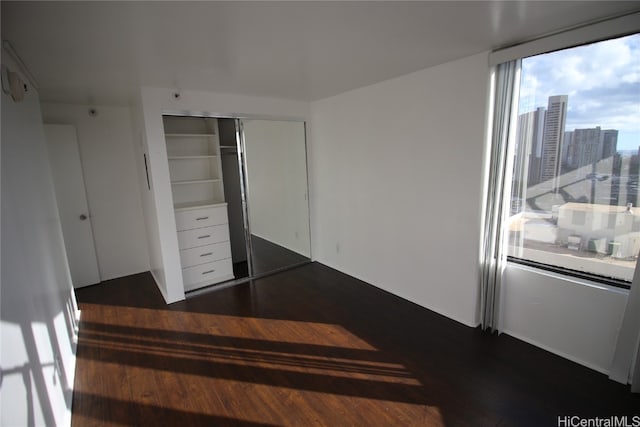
(100,52)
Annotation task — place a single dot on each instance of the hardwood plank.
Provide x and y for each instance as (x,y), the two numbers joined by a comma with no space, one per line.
(269,256)
(312,346)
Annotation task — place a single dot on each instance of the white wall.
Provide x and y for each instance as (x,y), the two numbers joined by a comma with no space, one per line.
(277,182)
(145,181)
(111,179)
(572,318)
(38,311)
(396,173)
(163,241)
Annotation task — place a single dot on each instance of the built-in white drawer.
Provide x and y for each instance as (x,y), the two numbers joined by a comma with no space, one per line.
(198,218)
(207,274)
(205,254)
(203,236)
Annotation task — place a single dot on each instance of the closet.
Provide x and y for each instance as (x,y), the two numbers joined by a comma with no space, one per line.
(240,197)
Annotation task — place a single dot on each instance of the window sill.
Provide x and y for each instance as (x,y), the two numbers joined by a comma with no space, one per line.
(567,277)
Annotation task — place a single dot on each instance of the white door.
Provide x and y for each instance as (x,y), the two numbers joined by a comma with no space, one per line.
(71,196)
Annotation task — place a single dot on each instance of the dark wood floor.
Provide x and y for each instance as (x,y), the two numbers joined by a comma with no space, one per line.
(312,346)
(268,256)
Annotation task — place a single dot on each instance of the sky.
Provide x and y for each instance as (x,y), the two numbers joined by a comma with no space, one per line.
(602,81)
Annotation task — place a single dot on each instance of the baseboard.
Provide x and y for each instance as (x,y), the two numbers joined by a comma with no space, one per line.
(557,352)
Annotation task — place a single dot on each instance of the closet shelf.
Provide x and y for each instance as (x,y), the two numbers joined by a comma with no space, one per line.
(195,181)
(206,156)
(198,205)
(188,135)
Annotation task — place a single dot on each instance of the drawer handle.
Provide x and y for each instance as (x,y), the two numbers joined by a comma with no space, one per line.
(207,254)
(205,236)
(202,218)
(208,271)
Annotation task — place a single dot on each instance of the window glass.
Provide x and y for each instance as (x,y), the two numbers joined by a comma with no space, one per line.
(574,201)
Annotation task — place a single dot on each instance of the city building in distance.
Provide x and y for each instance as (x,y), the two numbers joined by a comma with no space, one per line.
(574,196)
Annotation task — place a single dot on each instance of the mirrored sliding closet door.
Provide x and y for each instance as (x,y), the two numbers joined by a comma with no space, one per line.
(276,194)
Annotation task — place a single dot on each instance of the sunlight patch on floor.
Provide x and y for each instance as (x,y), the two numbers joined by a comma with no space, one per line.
(176,361)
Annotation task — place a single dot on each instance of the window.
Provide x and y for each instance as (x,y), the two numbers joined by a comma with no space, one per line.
(574,201)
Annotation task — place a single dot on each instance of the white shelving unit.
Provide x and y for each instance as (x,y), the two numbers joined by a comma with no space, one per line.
(195,170)
(194,162)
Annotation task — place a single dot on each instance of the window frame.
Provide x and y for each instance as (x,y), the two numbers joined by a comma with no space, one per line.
(575,37)
(575,274)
